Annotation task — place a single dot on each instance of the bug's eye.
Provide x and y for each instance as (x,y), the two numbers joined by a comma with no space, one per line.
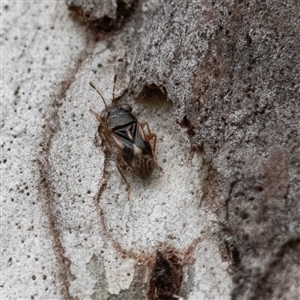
(127,107)
(104,115)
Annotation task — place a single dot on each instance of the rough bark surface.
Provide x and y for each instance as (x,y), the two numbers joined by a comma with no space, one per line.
(232,70)
(101,15)
(221,222)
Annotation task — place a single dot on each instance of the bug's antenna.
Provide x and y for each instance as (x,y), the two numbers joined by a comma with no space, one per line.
(91,84)
(115,80)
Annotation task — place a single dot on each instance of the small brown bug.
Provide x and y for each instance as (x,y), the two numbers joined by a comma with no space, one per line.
(120,127)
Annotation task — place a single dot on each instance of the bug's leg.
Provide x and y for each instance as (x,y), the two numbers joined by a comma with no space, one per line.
(157,166)
(119,161)
(105,136)
(147,125)
(150,136)
(96,115)
(153,137)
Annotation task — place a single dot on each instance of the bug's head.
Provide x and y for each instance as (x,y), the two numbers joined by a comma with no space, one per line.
(102,118)
(104,114)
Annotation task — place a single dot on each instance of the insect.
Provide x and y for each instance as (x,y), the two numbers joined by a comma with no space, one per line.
(120,128)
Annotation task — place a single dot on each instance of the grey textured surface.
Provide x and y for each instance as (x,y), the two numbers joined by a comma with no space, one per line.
(228,211)
(69,231)
(232,70)
(101,15)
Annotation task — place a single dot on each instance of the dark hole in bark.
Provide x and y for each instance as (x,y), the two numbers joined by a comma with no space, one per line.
(151,91)
(166,277)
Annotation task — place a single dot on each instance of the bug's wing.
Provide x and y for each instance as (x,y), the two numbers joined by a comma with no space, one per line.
(136,150)
(124,142)
(140,140)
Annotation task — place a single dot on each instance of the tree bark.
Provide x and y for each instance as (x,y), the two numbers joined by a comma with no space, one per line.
(221,220)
